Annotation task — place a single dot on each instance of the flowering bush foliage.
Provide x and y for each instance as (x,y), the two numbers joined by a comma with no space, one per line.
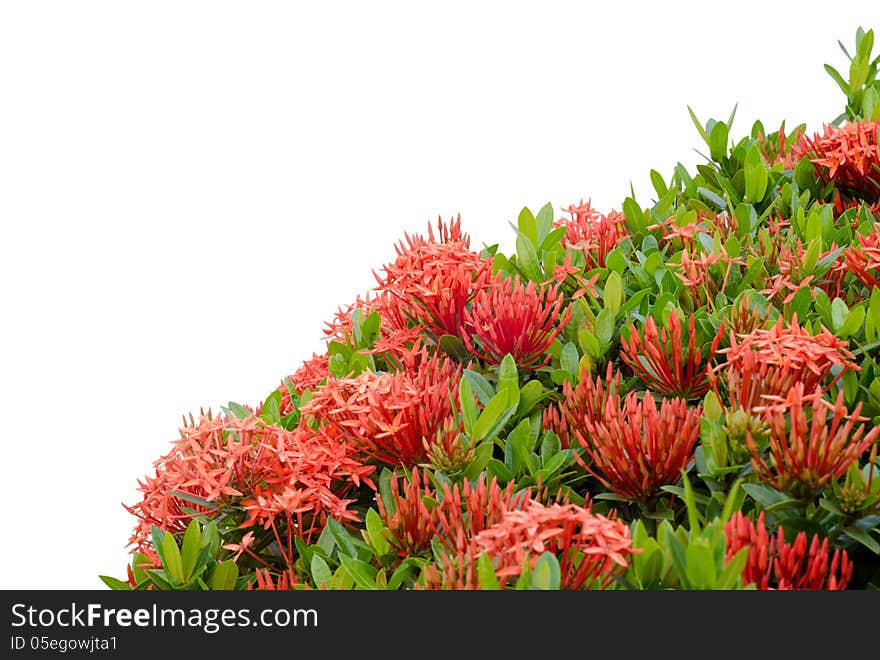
(684,395)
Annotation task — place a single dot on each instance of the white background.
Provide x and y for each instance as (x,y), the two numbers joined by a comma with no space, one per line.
(189,189)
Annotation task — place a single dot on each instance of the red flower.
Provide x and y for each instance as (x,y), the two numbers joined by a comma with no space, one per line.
(749,380)
(810,451)
(586,399)
(466,510)
(407,516)
(662,364)
(284,581)
(293,478)
(393,418)
(862,258)
(706,275)
(775,564)
(432,281)
(637,448)
(591,548)
(591,233)
(517,319)
(848,156)
(809,358)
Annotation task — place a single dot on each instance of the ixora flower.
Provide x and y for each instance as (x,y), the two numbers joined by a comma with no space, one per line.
(301,476)
(635,447)
(808,451)
(662,363)
(432,280)
(862,258)
(775,564)
(810,358)
(848,157)
(591,233)
(591,549)
(393,418)
(586,400)
(518,319)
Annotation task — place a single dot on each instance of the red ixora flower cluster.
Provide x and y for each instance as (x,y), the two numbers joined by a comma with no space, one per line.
(517,319)
(591,548)
(393,418)
(809,358)
(808,451)
(591,233)
(586,400)
(432,281)
(848,156)
(662,363)
(636,447)
(298,478)
(862,258)
(775,564)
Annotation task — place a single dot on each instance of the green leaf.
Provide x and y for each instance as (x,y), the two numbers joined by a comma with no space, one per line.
(482,455)
(733,570)
(605,324)
(321,573)
(493,417)
(271,413)
(755,175)
(839,313)
(361,572)
(699,126)
(863,537)
(612,296)
(480,385)
(239,410)
(508,380)
(486,577)
(546,575)
(376,529)
(718,141)
(853,322)
(544,221)
(700,565)
(455,348)
(115,584)
(835,74)
(527,226)
(224,576)
(764,496)
(468,406)
(527,258)
(191,548)
(172,562)
(568,361)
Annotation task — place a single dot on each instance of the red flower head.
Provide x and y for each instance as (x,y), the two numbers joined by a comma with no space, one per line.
(749,380)
(407,516)
(432,281)
(592,233)
(862,258)
(285,581)
(810,451)
(775,564)
(518,319)
(466,510)
(591,548)
(269,472)
(849,157)
(586,399)
(808,357)
(637,448)
(661,362)
(393,418)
